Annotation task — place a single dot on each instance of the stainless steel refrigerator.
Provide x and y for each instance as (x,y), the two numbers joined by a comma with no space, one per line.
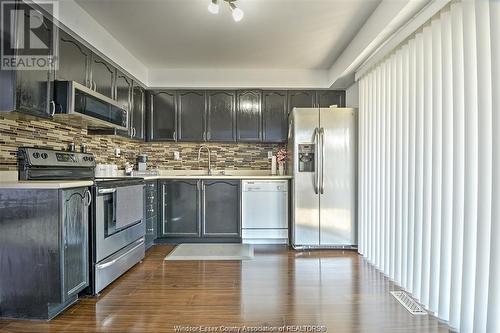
(322,146)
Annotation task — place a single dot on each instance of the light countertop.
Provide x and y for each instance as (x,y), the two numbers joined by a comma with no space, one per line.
(47,185)
(201,174)
(8,179)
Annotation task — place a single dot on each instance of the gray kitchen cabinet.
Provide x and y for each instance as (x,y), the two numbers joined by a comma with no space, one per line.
(162,115)
(275,116)
(301,99)
(191,115)
(249,115)
(123,90)
(102,76)
(221,119)
(151,211)
(221,208)
(26,90)
(44,240)
(138,112)
(325,98)
(75,240)
(73,60)
(181,208)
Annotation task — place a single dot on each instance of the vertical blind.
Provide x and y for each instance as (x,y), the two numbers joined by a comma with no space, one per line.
(429,165)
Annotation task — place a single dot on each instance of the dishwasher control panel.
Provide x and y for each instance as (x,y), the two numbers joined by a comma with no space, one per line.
(306,157)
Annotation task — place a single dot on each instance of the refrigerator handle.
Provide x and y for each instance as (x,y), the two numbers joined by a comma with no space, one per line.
(316,160)
(322,140)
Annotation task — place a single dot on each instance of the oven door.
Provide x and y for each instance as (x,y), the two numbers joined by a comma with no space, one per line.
(119,218)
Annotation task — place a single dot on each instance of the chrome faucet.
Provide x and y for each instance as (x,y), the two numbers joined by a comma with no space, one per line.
(209,161)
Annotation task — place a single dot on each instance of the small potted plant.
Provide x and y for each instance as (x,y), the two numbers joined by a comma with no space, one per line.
(281,157)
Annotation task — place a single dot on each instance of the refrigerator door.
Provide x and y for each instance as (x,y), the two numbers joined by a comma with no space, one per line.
(304,154)
(338,128)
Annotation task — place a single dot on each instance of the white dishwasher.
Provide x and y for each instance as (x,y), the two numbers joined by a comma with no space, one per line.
(264,211)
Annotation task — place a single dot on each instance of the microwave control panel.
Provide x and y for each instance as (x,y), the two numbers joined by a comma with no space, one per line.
(306,157)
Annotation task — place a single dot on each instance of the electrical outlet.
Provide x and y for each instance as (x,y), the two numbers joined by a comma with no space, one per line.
(177,156)
(269,154)
(117,152)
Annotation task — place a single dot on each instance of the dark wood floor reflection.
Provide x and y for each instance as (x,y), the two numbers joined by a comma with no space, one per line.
(279,287)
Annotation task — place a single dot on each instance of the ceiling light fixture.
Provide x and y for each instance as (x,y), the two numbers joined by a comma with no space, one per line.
(213,7)
(237,13)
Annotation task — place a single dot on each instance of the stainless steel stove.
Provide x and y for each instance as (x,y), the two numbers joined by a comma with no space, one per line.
(118,229)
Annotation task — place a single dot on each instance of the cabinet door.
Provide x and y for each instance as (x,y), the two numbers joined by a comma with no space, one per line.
(74,60)
(325,98)
(249,115)
(103,76)
(33,87)
(275,116)
(221,116)
(180,217)
(301,99)
(138,112)
(123,90)
(191,111)
(150,207)
(75,240)
(162,116)
(221,208)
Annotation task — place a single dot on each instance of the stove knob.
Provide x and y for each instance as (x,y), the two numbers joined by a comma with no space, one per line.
(85,158)
(36,155)
(44,156)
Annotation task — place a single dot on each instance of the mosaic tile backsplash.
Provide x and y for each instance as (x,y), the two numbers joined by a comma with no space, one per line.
(38,132)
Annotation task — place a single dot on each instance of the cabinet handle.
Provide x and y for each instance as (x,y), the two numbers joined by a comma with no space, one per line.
(88,196)
(174,135)
(52,108)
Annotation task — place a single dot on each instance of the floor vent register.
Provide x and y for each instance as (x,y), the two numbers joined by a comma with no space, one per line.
(408,302)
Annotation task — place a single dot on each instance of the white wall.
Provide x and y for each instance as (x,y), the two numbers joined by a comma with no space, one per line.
(237,78)
(352,96)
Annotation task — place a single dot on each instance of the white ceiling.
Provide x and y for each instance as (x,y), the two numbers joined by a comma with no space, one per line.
(275,34)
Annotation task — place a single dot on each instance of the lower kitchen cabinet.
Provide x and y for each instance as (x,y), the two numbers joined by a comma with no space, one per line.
(221,208)
(180,208)
(151,211)
(44,240)
(200,210)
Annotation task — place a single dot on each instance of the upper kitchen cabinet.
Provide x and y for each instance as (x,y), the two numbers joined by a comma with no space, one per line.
(28,91)
(138,112)
(102,76)
(191,114)
(301,99)
(275,116)
(162,116)
(221,118)
(249,115)
(123,90)
(326,98)
(73,60)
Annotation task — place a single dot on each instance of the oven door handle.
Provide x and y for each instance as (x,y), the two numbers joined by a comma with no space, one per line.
(107,190)
(139,243)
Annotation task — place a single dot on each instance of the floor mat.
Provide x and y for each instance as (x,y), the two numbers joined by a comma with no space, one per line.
(211,252)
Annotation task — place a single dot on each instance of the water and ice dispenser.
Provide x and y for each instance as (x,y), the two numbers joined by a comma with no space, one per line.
(306,157)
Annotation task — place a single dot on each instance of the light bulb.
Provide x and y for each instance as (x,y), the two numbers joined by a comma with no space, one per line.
(237,14)
(213,7)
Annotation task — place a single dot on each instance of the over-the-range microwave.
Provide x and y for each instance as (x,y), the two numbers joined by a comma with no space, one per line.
(77,102)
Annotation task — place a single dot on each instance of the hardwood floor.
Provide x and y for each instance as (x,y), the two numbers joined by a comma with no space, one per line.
(337,289)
